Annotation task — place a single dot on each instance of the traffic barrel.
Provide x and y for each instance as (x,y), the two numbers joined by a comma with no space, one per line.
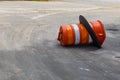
(82,33)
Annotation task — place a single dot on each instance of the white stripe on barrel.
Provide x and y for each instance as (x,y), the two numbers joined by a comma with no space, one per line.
(90,39)
(77,33)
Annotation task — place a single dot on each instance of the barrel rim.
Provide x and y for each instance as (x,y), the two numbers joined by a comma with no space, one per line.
(90,30)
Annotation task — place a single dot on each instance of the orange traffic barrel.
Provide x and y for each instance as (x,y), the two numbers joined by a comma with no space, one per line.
(82,33)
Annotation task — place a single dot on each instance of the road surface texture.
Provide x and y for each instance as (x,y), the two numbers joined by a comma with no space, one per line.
(29,49)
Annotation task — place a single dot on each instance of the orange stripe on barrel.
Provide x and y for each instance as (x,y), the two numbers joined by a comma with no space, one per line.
(70,37)
(73,33)
(84,35)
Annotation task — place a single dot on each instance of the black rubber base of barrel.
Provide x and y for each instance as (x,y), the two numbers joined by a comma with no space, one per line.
(90,30)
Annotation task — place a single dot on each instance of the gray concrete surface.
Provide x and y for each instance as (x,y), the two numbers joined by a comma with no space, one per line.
(29,49)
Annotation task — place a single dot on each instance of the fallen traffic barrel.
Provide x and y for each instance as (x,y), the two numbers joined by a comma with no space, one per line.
(82,33)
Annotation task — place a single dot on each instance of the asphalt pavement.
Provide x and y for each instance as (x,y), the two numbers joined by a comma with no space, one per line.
(29,49)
